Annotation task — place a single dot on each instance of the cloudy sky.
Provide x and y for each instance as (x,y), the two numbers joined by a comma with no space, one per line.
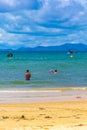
(32,23)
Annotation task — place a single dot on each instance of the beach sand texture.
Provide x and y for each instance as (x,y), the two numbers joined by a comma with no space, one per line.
(68,115)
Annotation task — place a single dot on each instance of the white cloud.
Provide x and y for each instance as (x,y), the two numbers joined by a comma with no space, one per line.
(42,22)
(14,5)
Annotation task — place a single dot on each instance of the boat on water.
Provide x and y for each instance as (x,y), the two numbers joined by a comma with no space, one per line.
(10,54)
(72,52)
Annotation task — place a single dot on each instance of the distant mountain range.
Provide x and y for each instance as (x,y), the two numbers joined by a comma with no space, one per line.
(64,47)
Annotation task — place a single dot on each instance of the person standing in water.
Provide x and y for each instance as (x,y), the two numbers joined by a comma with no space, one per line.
(27,75)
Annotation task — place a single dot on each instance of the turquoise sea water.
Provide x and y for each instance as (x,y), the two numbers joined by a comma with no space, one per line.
(72,72)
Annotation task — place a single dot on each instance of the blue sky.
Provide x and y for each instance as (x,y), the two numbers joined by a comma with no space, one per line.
(32,23)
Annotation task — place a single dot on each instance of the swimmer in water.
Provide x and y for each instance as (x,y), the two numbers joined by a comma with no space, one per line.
(27,75)
(53,71)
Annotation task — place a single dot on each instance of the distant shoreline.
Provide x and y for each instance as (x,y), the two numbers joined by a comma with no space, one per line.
(64,47)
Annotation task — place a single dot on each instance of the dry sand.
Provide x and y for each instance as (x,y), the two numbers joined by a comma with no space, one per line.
(69,115)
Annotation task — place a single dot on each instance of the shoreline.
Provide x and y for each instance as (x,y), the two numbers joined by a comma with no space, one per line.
(42,95)
(48,109)
(68,115)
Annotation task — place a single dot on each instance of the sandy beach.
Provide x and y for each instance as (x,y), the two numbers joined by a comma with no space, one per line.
(67,115)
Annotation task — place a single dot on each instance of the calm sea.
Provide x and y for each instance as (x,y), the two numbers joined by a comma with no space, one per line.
(72,71)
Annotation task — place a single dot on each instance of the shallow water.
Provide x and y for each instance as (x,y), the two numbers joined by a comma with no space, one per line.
(72,72)
(69,82)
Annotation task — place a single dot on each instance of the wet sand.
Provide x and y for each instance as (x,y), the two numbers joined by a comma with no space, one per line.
(42,95)
(63,115)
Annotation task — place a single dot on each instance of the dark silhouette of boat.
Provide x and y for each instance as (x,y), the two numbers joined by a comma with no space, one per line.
(72,52)
(9,54)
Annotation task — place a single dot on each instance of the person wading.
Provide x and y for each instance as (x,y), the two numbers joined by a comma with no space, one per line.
(27,75)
